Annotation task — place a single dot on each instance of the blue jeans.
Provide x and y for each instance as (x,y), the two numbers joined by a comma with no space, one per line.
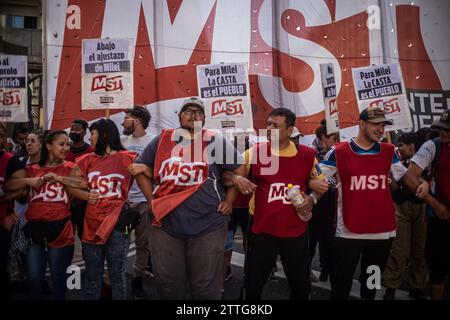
(115,251)
(36,262)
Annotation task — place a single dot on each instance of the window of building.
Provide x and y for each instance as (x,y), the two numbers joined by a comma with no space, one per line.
(21,22)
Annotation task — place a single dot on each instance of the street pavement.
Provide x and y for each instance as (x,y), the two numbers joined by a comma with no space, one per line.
(276,288)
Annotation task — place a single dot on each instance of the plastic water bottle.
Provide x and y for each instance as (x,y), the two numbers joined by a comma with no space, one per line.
(296,198)
(294,195)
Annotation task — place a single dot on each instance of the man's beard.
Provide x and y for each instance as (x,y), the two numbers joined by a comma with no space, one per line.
(128,130)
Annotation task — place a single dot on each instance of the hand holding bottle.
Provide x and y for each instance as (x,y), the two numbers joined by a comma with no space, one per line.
(297,198)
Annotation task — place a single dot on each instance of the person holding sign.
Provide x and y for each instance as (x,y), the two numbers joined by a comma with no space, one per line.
(78,146)
(189,204)
(366,213)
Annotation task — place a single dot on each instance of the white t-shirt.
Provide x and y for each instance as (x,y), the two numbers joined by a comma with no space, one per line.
(137,145)
(329,169)
(424,158)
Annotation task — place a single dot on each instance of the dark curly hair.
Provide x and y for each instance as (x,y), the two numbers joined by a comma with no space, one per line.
(140,113)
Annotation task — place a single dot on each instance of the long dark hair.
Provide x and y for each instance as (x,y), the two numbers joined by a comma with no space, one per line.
(49,137)
(108,135)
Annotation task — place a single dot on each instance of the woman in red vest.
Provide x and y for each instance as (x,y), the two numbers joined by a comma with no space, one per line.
(48,215)
(109,181)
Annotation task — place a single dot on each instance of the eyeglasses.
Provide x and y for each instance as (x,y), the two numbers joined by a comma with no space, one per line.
(189,112)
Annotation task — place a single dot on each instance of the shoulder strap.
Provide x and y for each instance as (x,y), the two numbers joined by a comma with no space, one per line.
(438,145)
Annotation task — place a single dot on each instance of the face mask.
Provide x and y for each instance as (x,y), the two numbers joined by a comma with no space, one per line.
(75,137)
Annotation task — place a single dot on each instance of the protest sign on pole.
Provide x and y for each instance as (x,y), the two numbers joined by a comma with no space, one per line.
(330,97)
(107,74)
(224,89)
(13,88)
(382,86)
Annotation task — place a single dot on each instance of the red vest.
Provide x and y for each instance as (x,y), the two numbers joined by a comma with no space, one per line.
(4,160)
(50,202)
(442,175)
(72,156)
(242,201)
(178,171)
(110,178)
(366,199)
(274,214)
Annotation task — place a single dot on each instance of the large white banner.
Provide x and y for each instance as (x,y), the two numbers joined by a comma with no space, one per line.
(283,43)
(13,88)
(224,89)
(107,74)
(330,97)
(382,86)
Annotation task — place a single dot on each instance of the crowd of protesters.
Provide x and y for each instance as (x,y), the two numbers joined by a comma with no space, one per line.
(183,193)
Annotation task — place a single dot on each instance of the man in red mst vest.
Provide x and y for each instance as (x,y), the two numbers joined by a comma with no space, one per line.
(189,205)
(434,155)
(366,213)
(277,227)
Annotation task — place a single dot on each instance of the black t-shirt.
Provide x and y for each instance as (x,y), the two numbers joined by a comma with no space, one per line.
(13,165)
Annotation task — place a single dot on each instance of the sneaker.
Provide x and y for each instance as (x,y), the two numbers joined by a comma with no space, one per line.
(313,278)
(417,294)
(148,273)
(323,276)
(137,289)
(272,276)
(229,274)
(389,294)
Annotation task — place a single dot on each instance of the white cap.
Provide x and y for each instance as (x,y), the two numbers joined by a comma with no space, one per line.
(296,133)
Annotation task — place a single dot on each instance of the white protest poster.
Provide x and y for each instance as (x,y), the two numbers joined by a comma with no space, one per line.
(382,86)
(107,74)
(224,88)
(13,88)
(330,97)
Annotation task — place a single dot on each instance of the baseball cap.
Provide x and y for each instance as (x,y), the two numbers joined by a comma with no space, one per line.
(296,133)
(374,115)
(193,101)
(444,121)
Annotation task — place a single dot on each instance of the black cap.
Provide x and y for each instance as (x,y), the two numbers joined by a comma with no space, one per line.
(444,121)
(374,115)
